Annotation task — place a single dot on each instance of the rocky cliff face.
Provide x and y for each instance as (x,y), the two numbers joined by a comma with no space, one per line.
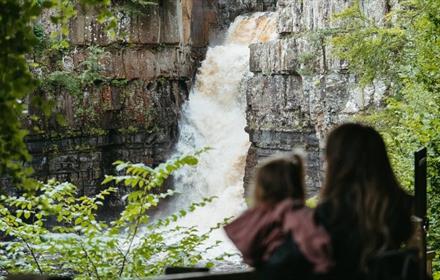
(297,93)
(228,10)
(299,89)
(131,110)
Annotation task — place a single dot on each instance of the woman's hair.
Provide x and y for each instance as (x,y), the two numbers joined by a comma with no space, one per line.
(361,186)
(278,178)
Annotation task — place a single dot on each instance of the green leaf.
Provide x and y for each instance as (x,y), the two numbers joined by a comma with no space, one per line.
(107,179)
(190,160)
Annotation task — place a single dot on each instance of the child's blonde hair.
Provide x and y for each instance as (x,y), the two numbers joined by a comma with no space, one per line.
(280,177)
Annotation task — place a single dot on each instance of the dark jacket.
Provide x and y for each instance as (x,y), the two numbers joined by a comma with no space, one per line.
(346,240)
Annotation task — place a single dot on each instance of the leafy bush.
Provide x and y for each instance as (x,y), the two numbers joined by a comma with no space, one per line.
(403,52)
(79,244)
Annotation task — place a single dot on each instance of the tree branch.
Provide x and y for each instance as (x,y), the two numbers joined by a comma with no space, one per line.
(33,255)
(90,260)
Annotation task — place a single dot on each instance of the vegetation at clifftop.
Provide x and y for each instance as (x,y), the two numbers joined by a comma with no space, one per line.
(402,51)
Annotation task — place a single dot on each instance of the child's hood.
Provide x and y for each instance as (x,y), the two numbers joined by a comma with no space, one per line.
(260,230)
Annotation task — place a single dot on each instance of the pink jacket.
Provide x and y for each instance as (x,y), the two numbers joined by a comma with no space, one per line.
(261,230)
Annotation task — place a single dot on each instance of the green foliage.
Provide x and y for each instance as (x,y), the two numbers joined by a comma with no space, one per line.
(16,39)
(74,82)
(80,245)
(372,50)
(312,201)
(119,83)
(59,81)
(403,52)
(129,130)
(87,77)
(42,40)
(91,68)
(86,83)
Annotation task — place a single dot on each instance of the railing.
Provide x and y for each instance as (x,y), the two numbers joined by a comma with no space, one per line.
(420,206)
(244,275)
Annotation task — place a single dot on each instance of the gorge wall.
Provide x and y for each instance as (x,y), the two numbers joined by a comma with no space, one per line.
(130,111)
(299,89)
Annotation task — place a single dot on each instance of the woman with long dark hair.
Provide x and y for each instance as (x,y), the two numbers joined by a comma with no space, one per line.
(362,205)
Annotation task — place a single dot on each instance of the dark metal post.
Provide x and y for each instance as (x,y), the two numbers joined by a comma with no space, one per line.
(420,171)
(420,189)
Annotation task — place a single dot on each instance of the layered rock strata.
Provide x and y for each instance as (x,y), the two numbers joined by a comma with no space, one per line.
(131,111)
(299,89)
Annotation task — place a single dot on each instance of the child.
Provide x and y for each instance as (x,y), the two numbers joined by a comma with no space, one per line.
(278,235)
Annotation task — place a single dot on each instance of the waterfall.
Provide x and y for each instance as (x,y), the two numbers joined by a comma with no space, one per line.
(214,116)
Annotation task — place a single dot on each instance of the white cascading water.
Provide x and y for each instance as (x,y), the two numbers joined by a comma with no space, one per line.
(214,116)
